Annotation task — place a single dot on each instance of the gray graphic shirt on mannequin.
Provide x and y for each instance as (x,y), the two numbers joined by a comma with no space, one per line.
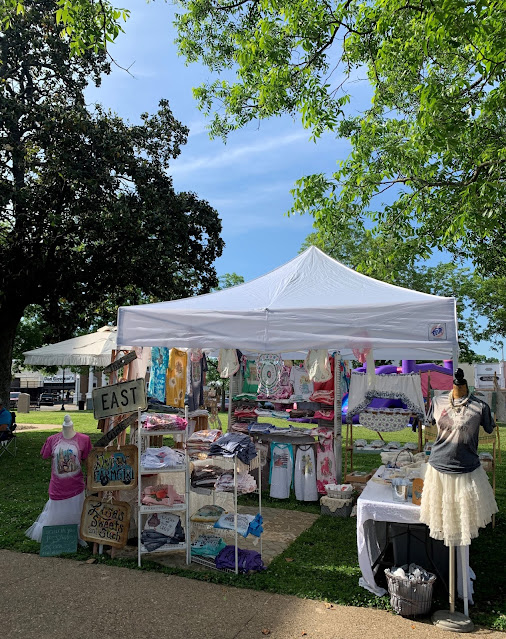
(458,422)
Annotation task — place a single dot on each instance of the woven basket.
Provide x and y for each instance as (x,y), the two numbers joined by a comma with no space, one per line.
(409,598)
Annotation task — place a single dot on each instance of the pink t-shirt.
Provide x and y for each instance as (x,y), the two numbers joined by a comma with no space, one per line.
(66,475)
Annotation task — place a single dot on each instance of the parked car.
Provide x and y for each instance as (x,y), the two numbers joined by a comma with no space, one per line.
(46,399)
(13,400)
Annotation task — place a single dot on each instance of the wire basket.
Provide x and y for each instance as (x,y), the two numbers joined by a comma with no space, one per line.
(410,598)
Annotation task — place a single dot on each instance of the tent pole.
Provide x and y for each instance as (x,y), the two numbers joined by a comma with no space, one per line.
(338,438)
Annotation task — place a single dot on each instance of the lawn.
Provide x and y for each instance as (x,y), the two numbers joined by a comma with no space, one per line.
(323,560)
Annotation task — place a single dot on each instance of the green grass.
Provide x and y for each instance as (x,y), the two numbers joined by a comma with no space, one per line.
(323,560)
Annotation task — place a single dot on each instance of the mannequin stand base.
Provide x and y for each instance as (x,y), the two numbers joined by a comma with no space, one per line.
(452,621)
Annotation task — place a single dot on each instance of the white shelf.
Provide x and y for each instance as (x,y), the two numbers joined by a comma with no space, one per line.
(159,471)
(153,432)
(164,548)
(209,562)
(162,509)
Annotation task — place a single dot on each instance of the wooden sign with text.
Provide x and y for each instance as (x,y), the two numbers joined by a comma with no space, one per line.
(117,430)
(105,522)
(117,399)
(119,363)
(112,468)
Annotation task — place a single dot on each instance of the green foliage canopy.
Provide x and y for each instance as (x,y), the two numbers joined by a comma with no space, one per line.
(433,136)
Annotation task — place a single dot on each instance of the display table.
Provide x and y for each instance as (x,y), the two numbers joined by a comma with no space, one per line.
(376,504)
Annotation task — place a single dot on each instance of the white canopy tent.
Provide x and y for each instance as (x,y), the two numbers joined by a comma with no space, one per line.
(312,301)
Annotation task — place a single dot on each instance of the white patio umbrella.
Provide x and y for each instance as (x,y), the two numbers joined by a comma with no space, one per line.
(86,350)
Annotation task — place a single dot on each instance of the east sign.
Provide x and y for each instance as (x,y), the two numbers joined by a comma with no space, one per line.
(116,399)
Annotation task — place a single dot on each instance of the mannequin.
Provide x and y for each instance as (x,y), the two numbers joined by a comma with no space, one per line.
(68,450)
(457,498)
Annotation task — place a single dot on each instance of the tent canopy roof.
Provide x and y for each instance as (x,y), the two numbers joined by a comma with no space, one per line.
(86,350)
(312,301)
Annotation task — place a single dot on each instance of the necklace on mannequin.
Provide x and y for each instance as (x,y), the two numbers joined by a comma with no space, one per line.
(462,403)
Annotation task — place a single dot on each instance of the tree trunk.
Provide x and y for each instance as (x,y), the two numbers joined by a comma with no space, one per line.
(8,328)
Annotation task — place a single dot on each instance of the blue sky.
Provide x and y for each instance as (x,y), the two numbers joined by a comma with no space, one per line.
(248,179)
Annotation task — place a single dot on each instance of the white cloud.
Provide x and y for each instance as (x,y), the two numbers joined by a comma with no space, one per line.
(230,156)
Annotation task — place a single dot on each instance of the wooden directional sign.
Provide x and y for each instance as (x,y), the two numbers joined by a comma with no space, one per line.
(117,399)
(112,468)
(105,522)
(119,363)
(117,430)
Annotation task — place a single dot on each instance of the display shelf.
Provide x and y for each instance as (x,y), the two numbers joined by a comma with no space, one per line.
(165,548)
(162,509)
(160,471)
(143,435)
(209,562)
(155,432)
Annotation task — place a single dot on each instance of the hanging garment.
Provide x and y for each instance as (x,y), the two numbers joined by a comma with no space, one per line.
(175,386)
(318,365)
(285,389)
(387,420)
(198,368)
(325,460)
(250,383)
(304,476)
(159,364)
(329,384)
(281,470)
(407,388)
(228,362)
(269,367)
(302,385)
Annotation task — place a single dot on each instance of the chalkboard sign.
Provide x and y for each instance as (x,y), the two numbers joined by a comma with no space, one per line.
(58,539)
(105,522)
(112,468)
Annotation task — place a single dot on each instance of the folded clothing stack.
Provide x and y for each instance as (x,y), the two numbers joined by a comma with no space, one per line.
(234,445)
(161,529)
(163,421)
(245,483)
(161,494)
(201,440)
(244,412)
(240,427)
(246,524)
(207,546)
(322,397)
(159,458)
(248,560)
(205,476)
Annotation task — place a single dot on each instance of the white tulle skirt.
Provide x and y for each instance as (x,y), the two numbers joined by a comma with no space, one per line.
(58,512)
(455,506)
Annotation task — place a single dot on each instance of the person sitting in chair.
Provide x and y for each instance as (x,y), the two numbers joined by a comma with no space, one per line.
(5,418)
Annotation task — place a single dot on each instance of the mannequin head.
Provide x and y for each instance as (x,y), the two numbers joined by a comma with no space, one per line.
(68,427)
(460,388)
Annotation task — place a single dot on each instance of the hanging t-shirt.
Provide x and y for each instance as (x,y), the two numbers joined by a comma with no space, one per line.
(269,367)
(329,384)
(302,385)
(458,424)
(175,386)
(325,461)
(304,476)
(197,373)
(250,383)
(281,470)
(66,475)
(159,363)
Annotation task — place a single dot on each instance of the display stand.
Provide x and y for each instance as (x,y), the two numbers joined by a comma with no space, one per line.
(196,527)
(143,510)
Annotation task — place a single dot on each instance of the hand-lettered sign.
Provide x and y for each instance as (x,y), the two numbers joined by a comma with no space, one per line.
(105,522)
(58,539)
(114,432)
(112,468)
(117,399)
(119,363)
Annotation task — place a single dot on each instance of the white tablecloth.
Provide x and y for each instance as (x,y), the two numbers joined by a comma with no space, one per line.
(376,503)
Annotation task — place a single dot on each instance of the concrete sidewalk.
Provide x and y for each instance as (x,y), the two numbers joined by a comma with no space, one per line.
(47,598)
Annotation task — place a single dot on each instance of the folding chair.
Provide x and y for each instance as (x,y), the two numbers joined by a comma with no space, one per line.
(8,438)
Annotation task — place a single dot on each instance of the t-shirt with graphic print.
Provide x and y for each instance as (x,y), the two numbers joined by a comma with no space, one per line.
(456,445)
(66,474)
